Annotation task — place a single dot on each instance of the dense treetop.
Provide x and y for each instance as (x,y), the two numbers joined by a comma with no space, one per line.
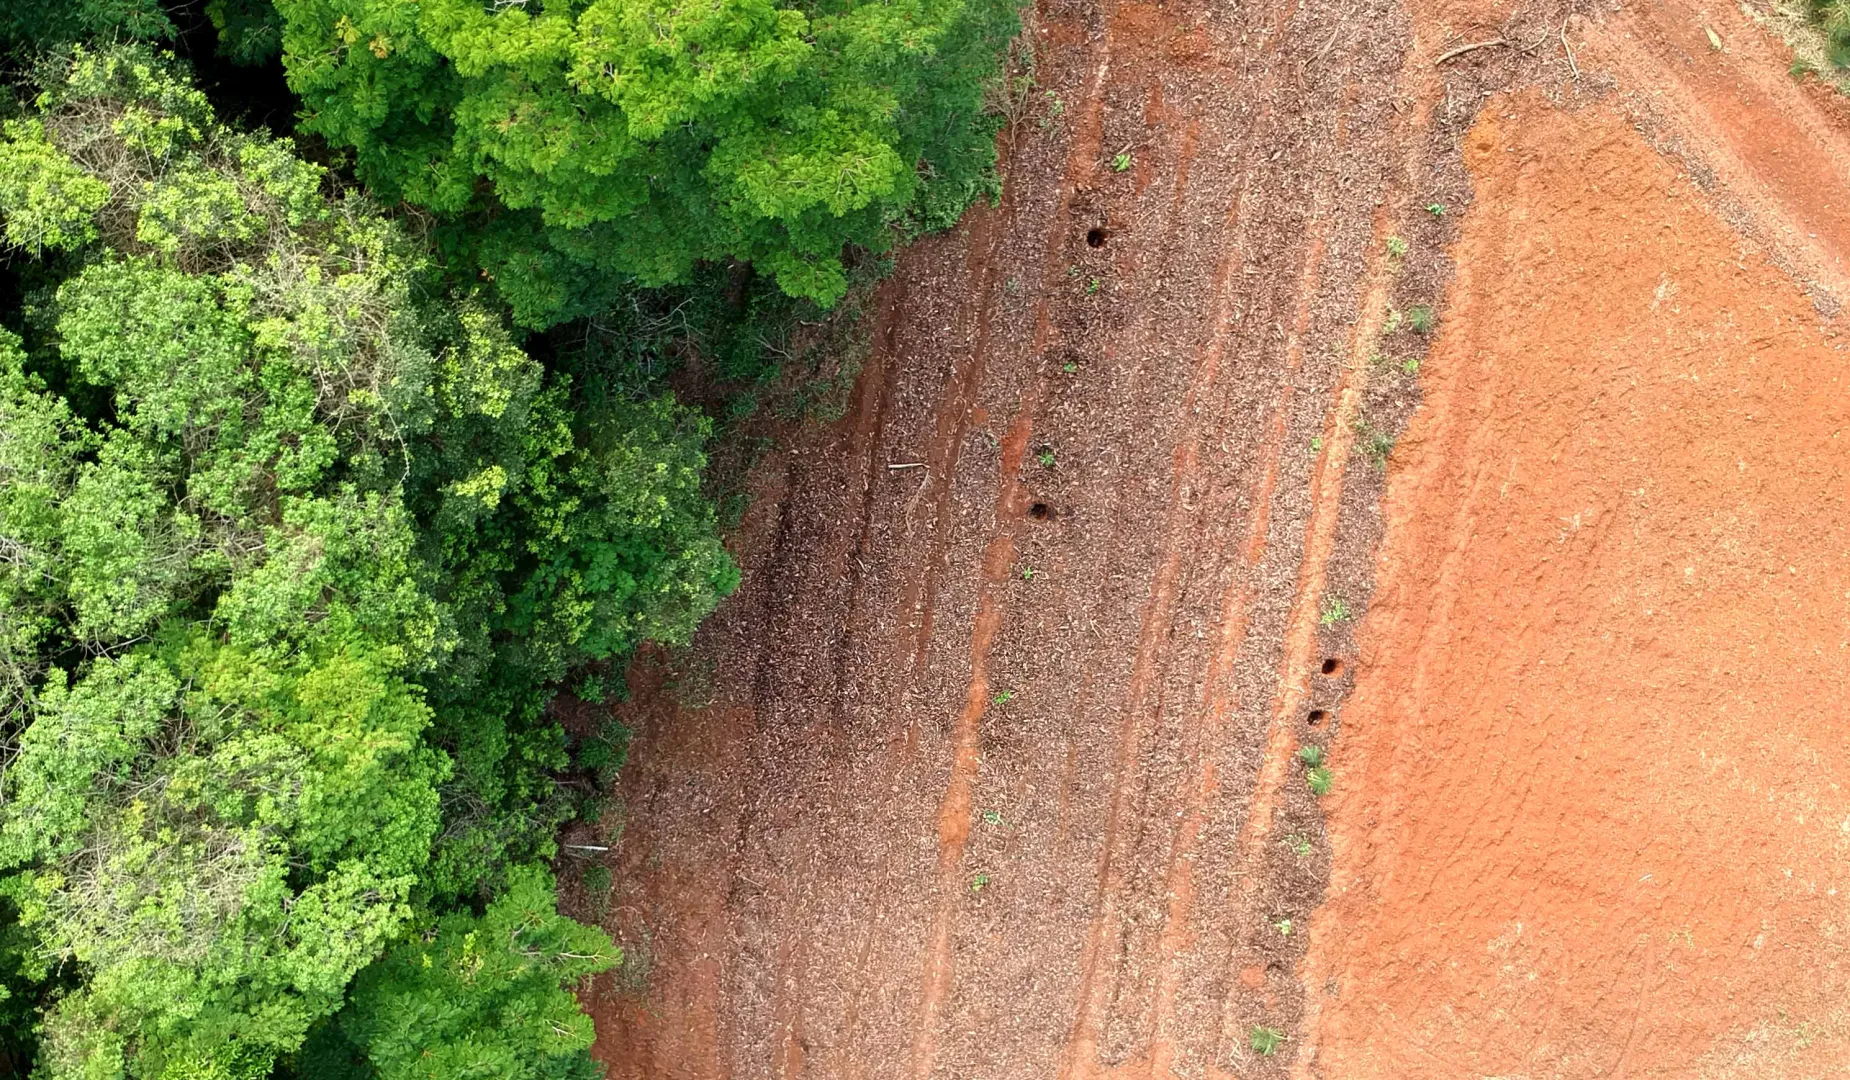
(632,139)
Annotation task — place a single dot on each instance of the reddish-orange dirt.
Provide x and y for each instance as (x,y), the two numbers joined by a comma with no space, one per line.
(988,770)
(1596,816)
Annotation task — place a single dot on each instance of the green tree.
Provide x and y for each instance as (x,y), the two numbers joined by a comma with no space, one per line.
(471,996)
(292,552)
(629,140)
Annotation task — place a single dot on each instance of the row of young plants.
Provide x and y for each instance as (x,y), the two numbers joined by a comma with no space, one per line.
(303,525)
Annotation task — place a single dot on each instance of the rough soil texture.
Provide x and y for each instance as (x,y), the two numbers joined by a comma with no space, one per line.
(987,771)
(1596,822)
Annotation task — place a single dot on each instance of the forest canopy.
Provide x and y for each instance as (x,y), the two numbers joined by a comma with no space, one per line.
(303,530)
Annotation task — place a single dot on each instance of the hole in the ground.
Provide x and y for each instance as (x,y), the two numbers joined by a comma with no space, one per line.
(1040,511)
(1317,717)
(1332,667)
(1096,237)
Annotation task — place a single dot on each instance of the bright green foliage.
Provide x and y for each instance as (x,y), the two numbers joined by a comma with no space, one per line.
(476,996)
(1834,16)
(629,140)
(291,555)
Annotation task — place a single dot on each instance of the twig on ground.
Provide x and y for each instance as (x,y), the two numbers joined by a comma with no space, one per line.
(1463,49)
(1572,66)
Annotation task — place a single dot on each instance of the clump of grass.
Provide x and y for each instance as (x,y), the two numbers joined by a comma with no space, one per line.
(1265,1041)
(1420,318)
(1375,444)
(1311,755)
(1320,779)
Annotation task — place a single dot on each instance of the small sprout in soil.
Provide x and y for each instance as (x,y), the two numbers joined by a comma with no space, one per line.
(1122,162)
(1072,271)
(992,817)
(1412,365)
(1283,926)
(1420,317)
(1264,1040)
(1311,755)
(1335,610)
(1012,285)
(1393,320)
(1069,367)
(1045,457)
(979,882)
(1299,845)
(1028,573)
(1316,444)
(1397,247)
(1320,780)
(1004,697)
(1375,445)
(1056,108)
(1093,286)
(1436,209)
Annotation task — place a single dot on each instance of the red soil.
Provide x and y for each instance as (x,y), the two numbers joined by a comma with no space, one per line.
(1596,817)
(987,772)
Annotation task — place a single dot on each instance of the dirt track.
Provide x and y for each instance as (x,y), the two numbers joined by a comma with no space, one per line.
(986,772)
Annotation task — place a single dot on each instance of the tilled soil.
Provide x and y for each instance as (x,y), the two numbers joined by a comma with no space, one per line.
(988,770)
(1597,817)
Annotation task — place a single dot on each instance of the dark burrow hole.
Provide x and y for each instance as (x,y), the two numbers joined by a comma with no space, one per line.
(1095,238)
(1317,717)
(1040,511)
(1332,667)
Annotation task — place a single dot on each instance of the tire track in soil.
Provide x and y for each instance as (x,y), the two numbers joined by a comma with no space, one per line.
(853,735)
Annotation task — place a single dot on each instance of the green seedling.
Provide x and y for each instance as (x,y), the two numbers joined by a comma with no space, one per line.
(1412,365)
(1283,926)
(1311,755)
(1093,286)
(1012,286)
(1421,318)
(1299,845)
(1397,248)
(1800,69)
(1069,367)
(1316,444)
(1122,162)
(1072,271)
(1320,780)
(1003,698)
(1028,573)
(1392,322)
(1436,209)
(992,817)
(979,882)
(1265,1040)
(1045,457)
(1335,610)
(1056,108)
